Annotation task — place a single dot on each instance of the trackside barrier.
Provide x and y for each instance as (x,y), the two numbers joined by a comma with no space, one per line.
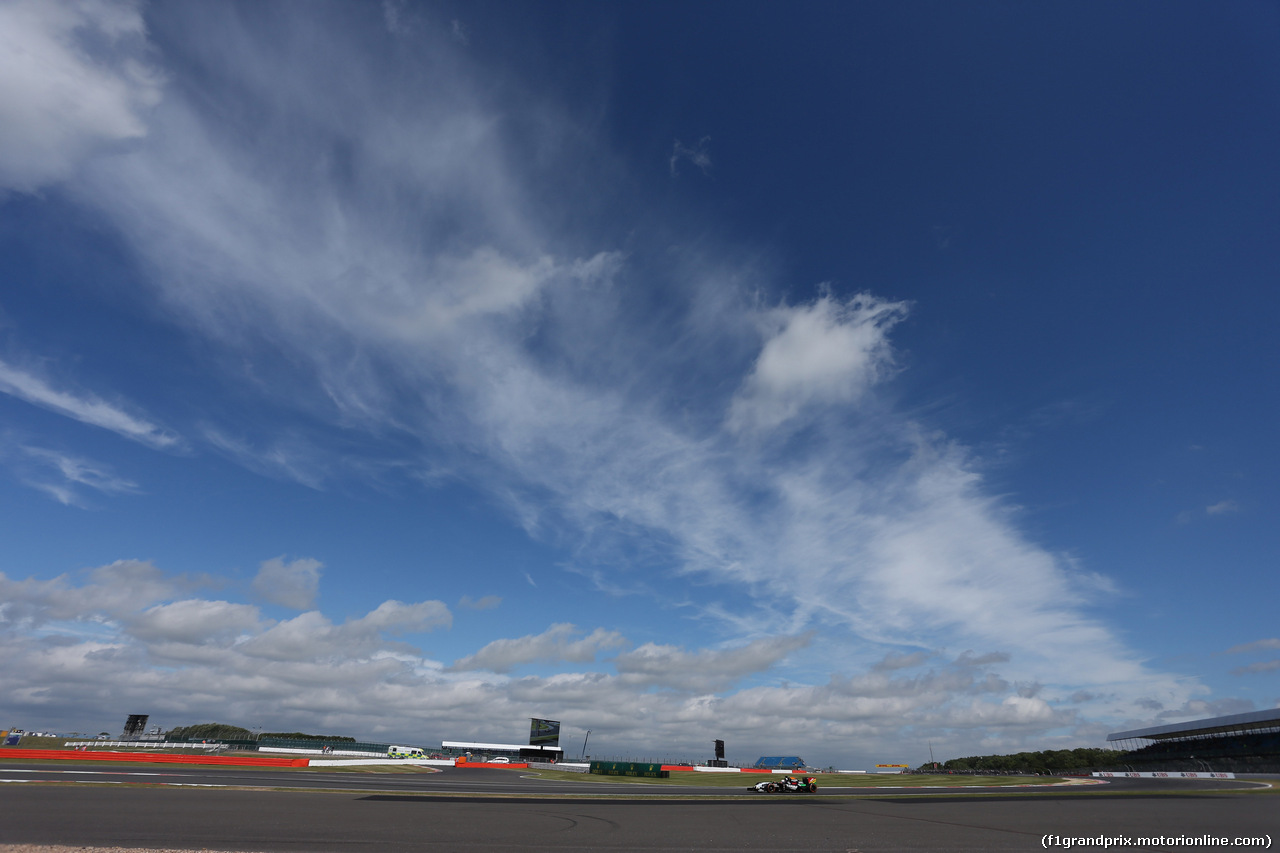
(568,768)
(363,762)
(1173,774)
(629,768)
(698,768)
(152,758)
(353,753)
(461,761)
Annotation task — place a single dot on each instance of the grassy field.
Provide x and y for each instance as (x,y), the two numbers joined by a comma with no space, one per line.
(825,780)
(702,780)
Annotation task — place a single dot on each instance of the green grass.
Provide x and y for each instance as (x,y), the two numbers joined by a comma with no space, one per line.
(826,781)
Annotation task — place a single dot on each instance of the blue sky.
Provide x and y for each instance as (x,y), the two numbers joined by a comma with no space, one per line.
(834,380)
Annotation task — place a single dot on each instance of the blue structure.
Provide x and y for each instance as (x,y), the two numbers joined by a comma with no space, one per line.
(780,762)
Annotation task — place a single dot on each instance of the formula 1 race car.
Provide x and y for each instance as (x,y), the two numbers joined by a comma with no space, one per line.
(786,785)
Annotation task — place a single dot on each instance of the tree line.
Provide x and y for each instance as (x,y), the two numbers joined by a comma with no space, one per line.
(222,731)
(1045,761)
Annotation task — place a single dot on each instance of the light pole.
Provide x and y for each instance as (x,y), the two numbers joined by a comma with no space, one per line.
(584,743)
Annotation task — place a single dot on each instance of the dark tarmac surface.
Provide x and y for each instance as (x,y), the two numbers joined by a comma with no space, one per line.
(474,810)
(483,782)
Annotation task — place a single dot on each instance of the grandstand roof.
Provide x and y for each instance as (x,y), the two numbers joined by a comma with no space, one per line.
(1252,721)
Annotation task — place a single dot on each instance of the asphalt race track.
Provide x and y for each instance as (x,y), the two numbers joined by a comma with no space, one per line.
(497,810)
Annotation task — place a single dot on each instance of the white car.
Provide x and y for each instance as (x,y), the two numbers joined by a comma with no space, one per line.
(501,759)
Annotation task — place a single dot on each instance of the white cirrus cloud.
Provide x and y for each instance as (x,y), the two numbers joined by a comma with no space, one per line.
(83,407)
(1256,646)
(903,660)
(698,154)
(60,97)
(404,266)
(82,471)
(75,472)
(1256,668)
(485,602)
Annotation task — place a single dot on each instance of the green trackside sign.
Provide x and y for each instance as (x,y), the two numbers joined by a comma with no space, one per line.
(628,768)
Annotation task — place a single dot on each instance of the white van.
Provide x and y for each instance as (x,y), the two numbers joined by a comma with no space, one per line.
(404,752)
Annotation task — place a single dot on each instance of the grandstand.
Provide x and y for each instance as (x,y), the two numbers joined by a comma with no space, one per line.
(1239,743)
(780,762)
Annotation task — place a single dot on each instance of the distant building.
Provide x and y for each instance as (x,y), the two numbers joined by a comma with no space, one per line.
(510,751)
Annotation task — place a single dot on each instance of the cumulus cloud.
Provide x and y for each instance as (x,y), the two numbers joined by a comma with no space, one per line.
(827,352)
(705,670)
(82,407)
(1200,708)
(114,591)
(289,584)
(60,98)
(560,642)
(191,659)
(195,622)
(312,637)
(397,617)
